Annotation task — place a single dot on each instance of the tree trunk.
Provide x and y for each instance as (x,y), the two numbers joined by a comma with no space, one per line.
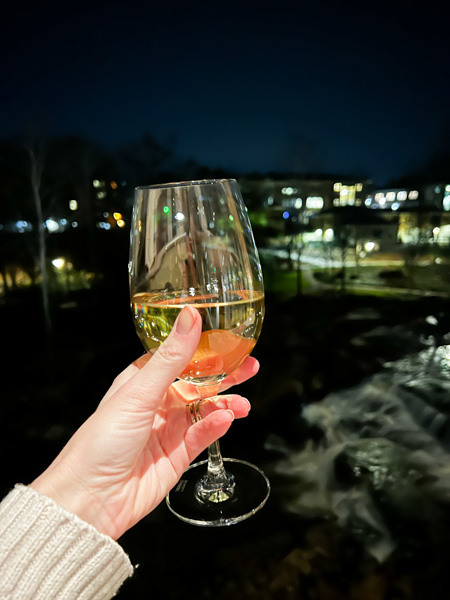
(36,177)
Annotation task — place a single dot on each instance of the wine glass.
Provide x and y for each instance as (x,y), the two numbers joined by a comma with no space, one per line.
(192,243)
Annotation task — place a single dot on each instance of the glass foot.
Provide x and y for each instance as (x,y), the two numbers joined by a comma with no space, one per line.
(250,493)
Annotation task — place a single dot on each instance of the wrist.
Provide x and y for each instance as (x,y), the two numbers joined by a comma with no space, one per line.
(74,498)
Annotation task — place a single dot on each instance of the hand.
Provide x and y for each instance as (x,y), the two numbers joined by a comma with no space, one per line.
(126,457)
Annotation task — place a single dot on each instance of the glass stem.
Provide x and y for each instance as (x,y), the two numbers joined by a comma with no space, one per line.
(217,485)
(216,470)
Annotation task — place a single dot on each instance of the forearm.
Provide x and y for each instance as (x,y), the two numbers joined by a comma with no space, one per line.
(46,552)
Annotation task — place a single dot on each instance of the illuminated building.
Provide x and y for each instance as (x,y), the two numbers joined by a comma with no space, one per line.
(299,198)
(359,226)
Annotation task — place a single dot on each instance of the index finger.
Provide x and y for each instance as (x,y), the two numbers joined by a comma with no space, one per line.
(188,393)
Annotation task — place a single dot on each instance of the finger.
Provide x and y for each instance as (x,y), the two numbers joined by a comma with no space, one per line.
(239,406)
(248,369)
(187,392)
(147,387)
(201,435)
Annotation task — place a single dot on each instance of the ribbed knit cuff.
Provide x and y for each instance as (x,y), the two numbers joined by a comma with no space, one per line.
(47,552)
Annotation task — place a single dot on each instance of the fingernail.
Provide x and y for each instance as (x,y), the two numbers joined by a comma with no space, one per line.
(231,413)
(185,321)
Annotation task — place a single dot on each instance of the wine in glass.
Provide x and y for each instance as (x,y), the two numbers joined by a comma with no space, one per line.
(192,243)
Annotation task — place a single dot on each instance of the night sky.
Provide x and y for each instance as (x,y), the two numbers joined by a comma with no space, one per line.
(323,87)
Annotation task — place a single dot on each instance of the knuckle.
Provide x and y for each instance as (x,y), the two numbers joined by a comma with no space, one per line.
(171,354)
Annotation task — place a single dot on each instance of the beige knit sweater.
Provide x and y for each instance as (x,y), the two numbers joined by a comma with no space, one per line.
(48,553)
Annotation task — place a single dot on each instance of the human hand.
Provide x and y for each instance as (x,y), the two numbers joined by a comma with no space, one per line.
(125,458)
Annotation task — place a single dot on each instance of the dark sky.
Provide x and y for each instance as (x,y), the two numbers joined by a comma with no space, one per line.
(287,86)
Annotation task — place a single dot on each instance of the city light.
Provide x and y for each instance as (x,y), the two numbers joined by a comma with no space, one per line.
(314,202)
(23,226)
(328,235)
(52,225)
(59,263)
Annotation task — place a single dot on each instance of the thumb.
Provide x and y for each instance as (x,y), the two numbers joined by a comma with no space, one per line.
(148,386)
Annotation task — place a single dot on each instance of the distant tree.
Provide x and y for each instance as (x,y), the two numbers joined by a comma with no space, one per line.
(74,163)
(434,168)
(23,194)
(36,155)
(141,161)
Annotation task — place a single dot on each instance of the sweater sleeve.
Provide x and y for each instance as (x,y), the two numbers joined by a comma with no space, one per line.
(47,552)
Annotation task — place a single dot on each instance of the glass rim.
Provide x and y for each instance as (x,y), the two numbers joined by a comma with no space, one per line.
(185,183)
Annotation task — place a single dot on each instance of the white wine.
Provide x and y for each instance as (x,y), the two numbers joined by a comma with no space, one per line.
(231,327)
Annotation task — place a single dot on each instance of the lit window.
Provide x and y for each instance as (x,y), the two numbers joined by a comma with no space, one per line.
(390,196)
(347,195)
(379,196)
(298,203)
(113,185)
(73,205)
(117,216)
(101,195)
(314,202)
(413,195)
(288,191)
(402,195)
(359,187)
(337,187)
